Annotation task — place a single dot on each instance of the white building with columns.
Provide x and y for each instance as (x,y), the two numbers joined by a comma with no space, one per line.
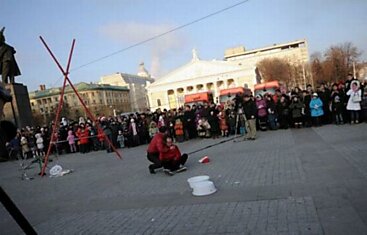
(238,69)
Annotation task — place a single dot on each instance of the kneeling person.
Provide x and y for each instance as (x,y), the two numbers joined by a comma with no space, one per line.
(155,147)
(172,160)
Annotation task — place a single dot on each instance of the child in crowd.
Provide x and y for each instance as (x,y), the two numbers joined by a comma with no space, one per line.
(179,130)
(71,140)
(153,129)
(40,146)
(25,147)
(316,109)
(121,139)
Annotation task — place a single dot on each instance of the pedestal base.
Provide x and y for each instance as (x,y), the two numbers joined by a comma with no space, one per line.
(19,109)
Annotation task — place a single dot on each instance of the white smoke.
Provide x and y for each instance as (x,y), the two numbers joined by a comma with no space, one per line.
(133,32)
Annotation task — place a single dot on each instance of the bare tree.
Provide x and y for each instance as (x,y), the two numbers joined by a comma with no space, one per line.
(275,69)
(337,63)
(340,59)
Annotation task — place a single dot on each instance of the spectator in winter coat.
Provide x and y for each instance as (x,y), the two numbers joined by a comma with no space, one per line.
(189,123)
(354,101)
(272,115)
(83,134)
(316,107)
(172,160)
(71,140)
(133,130)
(214,124)
(297,110)
(232,122)
(337,106)
(40,146)
(153,129)
(179,132)
(306,99)
(262,114)
(283,112)
(223,126)
(25,147)
(121,139)
(250,111)
(203,128)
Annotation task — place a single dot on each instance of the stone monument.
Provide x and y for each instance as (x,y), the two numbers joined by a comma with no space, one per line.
(18,109)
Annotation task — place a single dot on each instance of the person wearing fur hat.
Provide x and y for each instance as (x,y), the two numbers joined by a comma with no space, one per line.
(354,101)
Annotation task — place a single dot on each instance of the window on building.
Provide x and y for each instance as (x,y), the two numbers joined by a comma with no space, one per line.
(41,109)
(159,102)
(100,101)
(32,104)
(199,87)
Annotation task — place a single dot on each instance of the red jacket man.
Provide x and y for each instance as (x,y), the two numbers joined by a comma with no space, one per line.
(156,146)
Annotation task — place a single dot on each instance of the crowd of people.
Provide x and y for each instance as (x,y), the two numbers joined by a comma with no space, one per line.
(341,103)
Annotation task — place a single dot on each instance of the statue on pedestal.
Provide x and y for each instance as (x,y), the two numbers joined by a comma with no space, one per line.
(8,66)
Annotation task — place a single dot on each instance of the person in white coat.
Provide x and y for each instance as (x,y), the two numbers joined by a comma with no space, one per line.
(354,101)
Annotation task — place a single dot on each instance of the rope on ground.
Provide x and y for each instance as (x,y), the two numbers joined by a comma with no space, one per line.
(212,145)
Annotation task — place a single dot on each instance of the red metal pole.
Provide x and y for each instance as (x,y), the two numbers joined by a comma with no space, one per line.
(53,56)
(61,102)
(54,128)
(66,78)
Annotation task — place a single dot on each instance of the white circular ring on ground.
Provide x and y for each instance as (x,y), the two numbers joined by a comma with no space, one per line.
(56,170)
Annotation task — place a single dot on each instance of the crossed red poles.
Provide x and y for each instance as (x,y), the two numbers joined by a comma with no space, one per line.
(61,102)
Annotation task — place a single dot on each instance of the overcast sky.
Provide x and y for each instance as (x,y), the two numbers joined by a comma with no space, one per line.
(102,27)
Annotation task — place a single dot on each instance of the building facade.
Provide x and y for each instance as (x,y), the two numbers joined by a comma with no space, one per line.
(135,83)
(295,53)
(198,76)
(238,69)
(100,99)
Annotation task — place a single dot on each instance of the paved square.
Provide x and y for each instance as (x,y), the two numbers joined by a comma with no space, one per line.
(296,181)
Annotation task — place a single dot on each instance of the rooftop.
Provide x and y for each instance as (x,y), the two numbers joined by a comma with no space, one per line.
(82,86)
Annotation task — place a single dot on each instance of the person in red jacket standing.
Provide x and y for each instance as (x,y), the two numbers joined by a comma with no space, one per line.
(156,146)
(172,160)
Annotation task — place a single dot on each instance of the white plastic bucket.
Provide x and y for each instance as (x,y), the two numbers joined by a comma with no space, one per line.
(203,188)
(193,180)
